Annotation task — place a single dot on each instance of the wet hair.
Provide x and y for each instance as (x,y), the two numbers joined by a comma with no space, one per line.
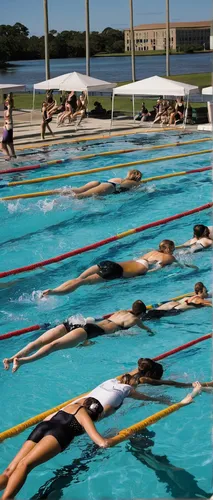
(166,244)
(93,408)
(138,308)
(134,175)
(201,231)
(149,368)
(126,378)
(199,287)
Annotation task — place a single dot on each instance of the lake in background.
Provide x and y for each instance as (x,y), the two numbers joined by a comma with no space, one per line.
(115,69)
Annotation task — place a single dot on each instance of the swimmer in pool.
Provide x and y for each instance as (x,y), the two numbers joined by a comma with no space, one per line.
(150,372)
(57,431)
(202,238)
(198,300)
(112,186)
(112,392)
(68,334)
(109,270)
(50,437)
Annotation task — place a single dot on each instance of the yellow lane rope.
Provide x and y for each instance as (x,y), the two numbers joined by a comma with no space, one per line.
(110,167)
(133,429)
(17,429)
(145,148)
(91,137)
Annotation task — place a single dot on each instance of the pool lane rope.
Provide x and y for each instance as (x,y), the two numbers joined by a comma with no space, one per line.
(44,326)
(17,429)
(106,241)
(133,429)
(96,170)
(59,191)
(95,155)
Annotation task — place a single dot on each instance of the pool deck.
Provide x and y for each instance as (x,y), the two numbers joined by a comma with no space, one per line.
(27,129)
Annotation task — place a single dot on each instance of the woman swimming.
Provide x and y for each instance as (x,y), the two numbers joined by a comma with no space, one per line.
(55,433)
(109,270)
(50,437)
(177,306)
(150,372)
(112,392)
(202,238)
(112,186)
(191,302)
(69,334)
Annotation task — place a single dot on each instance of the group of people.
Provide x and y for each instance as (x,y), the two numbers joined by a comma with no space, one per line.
(164,112)
(70,108)
(57,431)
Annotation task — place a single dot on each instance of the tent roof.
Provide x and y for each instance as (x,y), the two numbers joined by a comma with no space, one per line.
(11,87)
(74,81)
(155,85)
(207,91)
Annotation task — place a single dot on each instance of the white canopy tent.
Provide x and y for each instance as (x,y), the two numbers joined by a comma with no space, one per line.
(155,85)
(207,91)
(8,87)
(73,81)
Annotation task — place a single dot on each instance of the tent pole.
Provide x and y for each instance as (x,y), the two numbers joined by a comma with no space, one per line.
(133,107)
(31,118)
(186,112)
(113,97)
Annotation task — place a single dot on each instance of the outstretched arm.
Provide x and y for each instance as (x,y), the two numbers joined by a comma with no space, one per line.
(91,430)
(143,397)
(141,325)
(180,264)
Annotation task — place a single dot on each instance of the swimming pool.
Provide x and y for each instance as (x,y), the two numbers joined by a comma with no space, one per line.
(37,229)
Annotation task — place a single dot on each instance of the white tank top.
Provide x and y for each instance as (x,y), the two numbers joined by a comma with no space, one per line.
(111,392)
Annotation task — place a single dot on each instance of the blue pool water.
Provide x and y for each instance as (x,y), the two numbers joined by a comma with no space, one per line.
(177,462)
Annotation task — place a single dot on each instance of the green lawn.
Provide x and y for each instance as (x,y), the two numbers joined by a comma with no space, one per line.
(24,100)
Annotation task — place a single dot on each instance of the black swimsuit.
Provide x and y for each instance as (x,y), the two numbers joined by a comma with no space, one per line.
(109,270)
(63,426)
(92,330)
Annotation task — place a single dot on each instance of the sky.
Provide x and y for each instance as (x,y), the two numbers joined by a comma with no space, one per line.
(69,14)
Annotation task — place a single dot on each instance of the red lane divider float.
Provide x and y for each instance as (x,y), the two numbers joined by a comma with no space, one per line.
(183,346)
(32,328)
(32,167)
(106,241)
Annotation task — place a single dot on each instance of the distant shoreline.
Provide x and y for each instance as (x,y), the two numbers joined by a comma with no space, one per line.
(8,64)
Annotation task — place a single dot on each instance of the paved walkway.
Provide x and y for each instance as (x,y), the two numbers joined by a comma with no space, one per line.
(27,129)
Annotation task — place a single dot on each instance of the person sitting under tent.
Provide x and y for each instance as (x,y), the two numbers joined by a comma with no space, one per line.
(178,115)
(98,110)
(81,108)
(70,108)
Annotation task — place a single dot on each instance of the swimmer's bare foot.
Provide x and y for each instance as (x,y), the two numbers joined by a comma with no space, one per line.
(16,364)
(189,398)
(6,363)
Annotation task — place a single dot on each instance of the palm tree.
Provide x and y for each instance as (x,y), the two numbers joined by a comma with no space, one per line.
(132,39)
(167,40)
(46,41)
(87,37)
